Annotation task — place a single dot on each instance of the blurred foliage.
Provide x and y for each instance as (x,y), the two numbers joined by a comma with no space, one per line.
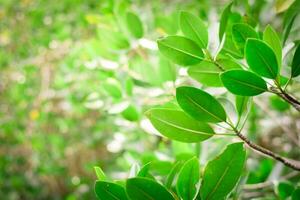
(76,78)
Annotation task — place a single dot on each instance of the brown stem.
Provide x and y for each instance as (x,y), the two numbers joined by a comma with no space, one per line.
(287,162)
(288,98)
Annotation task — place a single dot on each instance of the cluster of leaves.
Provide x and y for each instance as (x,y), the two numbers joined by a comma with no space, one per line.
(194,115)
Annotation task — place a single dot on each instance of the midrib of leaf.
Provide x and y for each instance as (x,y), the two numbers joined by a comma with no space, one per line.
(203,108)
(247,84)
(221,179)
(206,72)
(198,36)
(143,192)
(184,52)
(265,62)
(182,128)
(112,195)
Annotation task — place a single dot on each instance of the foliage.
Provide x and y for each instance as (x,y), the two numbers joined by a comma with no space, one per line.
(164,100)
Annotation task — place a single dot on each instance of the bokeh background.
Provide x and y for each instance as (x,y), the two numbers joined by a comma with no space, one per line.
(74,86)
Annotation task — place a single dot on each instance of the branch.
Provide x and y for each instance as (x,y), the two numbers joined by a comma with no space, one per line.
(287,162)
(288,98)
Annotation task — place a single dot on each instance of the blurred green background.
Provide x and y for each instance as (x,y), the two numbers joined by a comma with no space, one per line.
(73,88)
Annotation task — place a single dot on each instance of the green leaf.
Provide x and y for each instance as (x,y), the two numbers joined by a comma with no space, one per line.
(296,63)
(208,74)
(113,88)
(222,173)
(285,190)
(181,50)
(100,174)
(240,34)
(146,189)
(188,180)
(296,194)
(177,125)
(261,58)
(271,38)
(224,20)
(131,113)
(241,104)
(289,18)
(134,25)
(173,174)
(109,191)
(144,172)
(244,83)
(194,28)
(200,105)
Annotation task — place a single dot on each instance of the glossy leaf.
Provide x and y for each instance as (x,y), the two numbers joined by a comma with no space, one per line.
(261,58)
(100,174)
(180,50)
(271,38)
(109,191)
(146,189)
(193,28)
(200,105)
(188,180)
(243,83)
(170,180)
(240,33)
(222,173)
(177,125)
(241,103)
(134,25)
(296,63)
(208,74)
(289,18)
(224,20)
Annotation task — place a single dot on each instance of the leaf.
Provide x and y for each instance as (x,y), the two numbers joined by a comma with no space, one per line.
(285,190)
(261,58)
(181,50)
(109,191)
(194,28)
(113,88)
(271,38)
(244,83)
(146,189)
(241,103)
(200,105)
(224,20)
(222,173)
(173,173)
(289,18)
(177,125)
(131,113)
(144,172)
(188,180)
(112,39)
(208,74)
(100,174)
(134,25)
(296,63)
(296,194)
(240,34)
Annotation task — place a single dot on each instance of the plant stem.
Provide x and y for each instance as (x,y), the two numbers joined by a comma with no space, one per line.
(265,151)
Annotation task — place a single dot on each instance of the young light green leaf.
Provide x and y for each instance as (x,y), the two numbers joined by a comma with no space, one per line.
(296,63)
(241,104)
(200,105)
(261,58)
(134,25)
(193,28)
(208,73)
(113,88)
(131,113)
(146,189)
(224,20)
(222,173)
(244,83)
(240,34)
(177,125)
(109,191)
(271,38)
(188,180)
(173,174)
(180,50)
(100,174)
